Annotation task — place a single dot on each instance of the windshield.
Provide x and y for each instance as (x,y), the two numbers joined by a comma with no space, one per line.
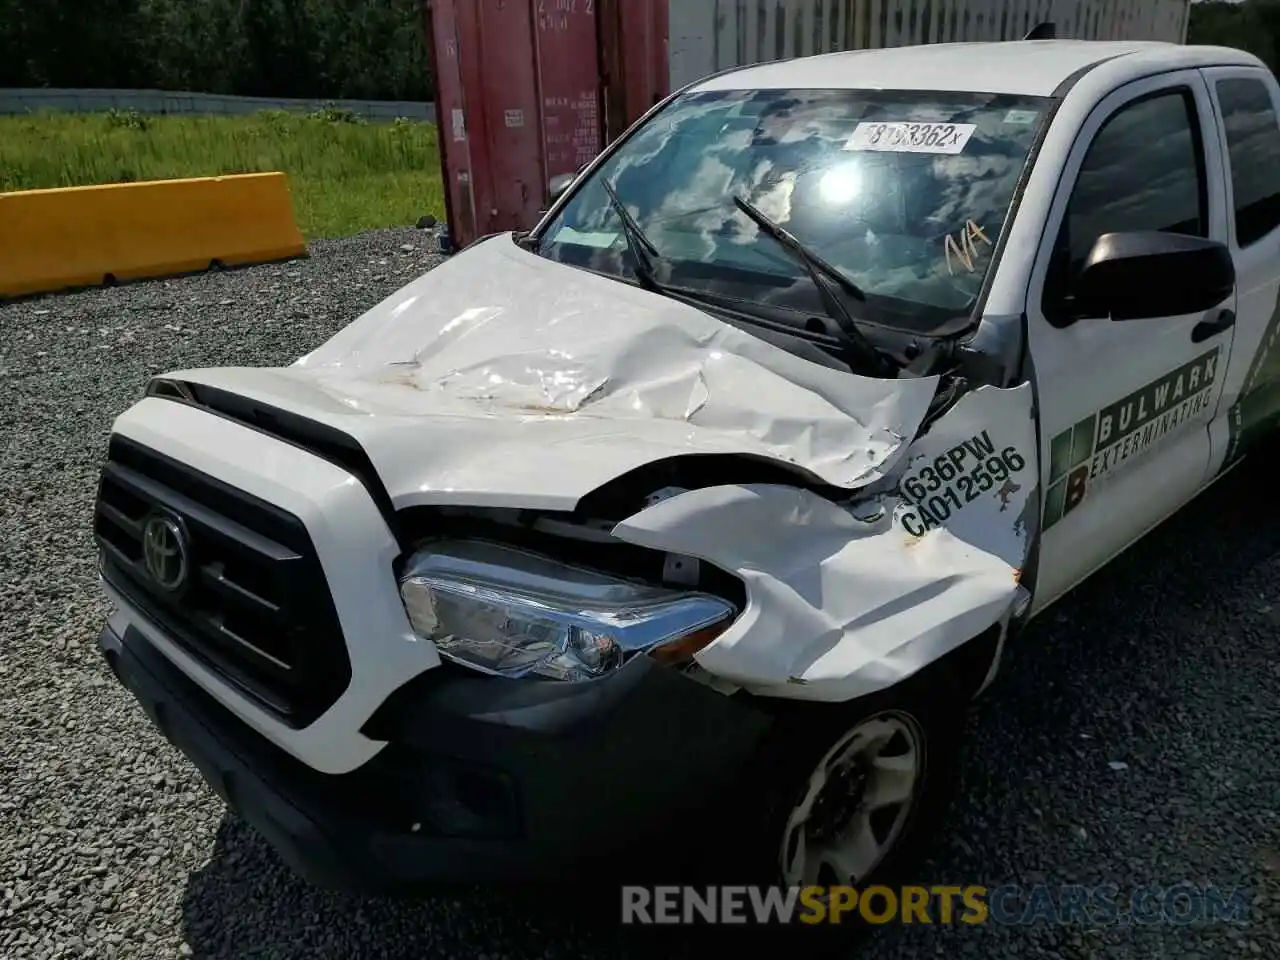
(903,192)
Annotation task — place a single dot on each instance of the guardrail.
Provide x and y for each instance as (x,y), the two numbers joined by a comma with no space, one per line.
(16,100)
(83,236)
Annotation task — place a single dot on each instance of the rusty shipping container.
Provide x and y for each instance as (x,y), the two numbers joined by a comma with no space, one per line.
(528,90)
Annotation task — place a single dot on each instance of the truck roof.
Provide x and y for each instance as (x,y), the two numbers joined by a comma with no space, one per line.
(1028,67)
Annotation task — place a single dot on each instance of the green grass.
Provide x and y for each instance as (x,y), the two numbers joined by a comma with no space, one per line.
(344,176)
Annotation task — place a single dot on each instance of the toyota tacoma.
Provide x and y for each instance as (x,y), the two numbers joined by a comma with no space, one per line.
(717,495)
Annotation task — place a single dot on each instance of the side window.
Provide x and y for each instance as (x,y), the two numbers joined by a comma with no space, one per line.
(1143,171)
(1253,148)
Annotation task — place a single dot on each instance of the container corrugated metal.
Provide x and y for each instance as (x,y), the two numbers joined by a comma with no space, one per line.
(441,25)
(568,74)
(635,60)
(531,89)
(712,35)
(505,138)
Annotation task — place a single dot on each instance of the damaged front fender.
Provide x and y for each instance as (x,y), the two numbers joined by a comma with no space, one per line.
(844,599)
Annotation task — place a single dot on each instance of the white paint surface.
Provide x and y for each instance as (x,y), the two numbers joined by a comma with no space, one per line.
(839,607)
(355,549)
(534,391)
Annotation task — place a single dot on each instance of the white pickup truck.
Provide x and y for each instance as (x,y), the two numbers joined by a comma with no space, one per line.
(714,498)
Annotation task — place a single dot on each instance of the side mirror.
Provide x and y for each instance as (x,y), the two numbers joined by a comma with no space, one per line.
(1137,276)
(559,184)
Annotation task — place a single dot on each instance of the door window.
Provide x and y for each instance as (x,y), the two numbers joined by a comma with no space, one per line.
(1253,150)
(1143,171)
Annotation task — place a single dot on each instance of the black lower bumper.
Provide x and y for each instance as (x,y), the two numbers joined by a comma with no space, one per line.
(482,780)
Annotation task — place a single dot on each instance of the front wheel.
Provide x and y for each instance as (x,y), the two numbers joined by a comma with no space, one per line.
(851,794)
(854,806)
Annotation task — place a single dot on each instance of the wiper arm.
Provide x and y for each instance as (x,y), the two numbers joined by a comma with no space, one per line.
(810,260)
(824,277)
(643,252)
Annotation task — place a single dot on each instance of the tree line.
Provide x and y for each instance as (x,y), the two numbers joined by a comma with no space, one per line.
(330,49)
(1253,25)
(362,49)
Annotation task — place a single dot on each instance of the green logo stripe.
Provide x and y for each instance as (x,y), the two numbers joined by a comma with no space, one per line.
(1104,440)
(1257,410)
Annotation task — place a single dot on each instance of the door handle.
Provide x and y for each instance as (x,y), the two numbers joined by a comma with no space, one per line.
(1225,320)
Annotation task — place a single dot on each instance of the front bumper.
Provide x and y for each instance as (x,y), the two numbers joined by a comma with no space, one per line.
(482,779)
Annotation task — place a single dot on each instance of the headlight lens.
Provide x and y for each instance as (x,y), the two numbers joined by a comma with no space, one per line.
(509,612)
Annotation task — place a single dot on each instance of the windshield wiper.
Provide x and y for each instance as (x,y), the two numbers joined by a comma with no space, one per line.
(643,252)
(825,277)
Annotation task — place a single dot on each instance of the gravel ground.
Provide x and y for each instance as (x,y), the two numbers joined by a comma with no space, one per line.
(1168,664)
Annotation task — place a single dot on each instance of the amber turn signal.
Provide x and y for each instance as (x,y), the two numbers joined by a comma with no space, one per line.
(684,649)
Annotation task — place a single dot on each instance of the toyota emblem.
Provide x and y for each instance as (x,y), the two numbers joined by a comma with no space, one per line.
(164,552)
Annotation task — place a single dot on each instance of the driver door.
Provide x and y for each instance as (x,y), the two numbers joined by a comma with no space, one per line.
(1126,407)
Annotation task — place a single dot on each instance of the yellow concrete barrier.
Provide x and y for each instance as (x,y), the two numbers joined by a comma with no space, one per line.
(83,236)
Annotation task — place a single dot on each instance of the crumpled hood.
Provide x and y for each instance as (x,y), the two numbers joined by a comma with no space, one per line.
(501,378)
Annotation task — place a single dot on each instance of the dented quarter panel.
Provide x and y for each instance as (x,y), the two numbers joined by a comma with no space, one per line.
(847,599)
(505,379)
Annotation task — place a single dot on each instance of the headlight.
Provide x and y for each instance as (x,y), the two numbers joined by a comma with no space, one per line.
(505,611)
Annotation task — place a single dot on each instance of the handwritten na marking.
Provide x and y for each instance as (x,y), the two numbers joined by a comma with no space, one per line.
(965,250)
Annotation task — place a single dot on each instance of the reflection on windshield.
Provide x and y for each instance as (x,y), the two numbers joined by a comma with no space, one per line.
(906,192)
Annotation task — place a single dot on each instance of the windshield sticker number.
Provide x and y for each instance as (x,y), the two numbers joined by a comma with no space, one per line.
(945,138)
(965,249)
(941,488)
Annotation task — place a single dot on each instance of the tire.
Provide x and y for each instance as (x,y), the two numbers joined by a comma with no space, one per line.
(926,713)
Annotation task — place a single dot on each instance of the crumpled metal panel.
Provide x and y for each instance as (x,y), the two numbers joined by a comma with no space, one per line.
(844,600)
(535,391)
